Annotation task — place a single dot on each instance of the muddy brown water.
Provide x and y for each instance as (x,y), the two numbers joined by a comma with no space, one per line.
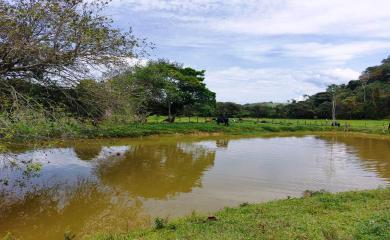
(115,185)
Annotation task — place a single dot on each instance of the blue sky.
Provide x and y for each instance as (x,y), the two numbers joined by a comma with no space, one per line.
(263,50)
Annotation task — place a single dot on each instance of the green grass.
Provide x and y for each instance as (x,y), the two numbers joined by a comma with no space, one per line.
(378,126)
(321,215)
(69,128)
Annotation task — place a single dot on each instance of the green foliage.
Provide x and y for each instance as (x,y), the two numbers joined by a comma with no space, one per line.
(32,169)
(47,49)
(375,228)
(228,109)
(162,87)
(159,223)
(92,99)
(44,41)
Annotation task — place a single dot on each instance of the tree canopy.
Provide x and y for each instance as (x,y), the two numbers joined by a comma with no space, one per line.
(166,88)
(59,40)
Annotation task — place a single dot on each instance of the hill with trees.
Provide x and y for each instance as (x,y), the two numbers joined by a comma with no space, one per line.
(365,98)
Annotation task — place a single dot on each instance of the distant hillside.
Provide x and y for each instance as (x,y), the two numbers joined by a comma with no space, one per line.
(368,97)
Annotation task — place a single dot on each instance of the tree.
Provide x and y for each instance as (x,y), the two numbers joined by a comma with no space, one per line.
(91,99)
(181,87)
(59,40)
(163,87)
(259,110)
(228,109)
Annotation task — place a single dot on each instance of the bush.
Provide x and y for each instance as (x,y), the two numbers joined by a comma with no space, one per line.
(159,223)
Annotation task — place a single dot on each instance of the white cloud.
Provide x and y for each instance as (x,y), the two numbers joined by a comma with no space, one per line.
(274,17)
(273,84)
(208,23)
(337,53)
(352,17)
(196,7)
(266,49)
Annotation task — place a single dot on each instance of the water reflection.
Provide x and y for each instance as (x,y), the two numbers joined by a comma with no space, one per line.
(222,143)
(118,184)
(374,151)
(104,193)
(87,152)
(158,171)
(47,213)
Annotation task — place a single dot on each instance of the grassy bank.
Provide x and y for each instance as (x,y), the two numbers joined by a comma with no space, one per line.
(349,215)
(73,129)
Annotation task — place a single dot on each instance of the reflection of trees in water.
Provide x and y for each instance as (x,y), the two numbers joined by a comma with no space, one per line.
(222,143)
(87,151)
(83,208)
(157,171)
(107,201)
(374,153)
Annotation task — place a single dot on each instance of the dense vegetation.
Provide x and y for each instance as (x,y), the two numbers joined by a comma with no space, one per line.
(159,87)
(318,215)
(51,52)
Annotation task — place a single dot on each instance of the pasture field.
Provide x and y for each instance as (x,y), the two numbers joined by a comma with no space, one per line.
(64,129)
(357,125)
(317,122)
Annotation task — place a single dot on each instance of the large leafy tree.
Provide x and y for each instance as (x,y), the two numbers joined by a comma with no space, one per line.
(163,87)
(59,40)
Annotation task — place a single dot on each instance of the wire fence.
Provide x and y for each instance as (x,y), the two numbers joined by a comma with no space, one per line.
(368,125)
(363,125)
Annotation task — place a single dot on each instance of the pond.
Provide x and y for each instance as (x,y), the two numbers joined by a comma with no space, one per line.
(114,185)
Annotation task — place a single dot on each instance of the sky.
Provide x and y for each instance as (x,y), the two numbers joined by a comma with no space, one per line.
(263,50)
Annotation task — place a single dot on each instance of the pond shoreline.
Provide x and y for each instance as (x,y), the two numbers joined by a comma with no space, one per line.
(316,215)
(163,129)
(37,143)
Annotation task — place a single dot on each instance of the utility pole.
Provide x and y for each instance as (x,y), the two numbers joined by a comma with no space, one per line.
(333,107)
(364,91)
(334,111)
(364,78)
